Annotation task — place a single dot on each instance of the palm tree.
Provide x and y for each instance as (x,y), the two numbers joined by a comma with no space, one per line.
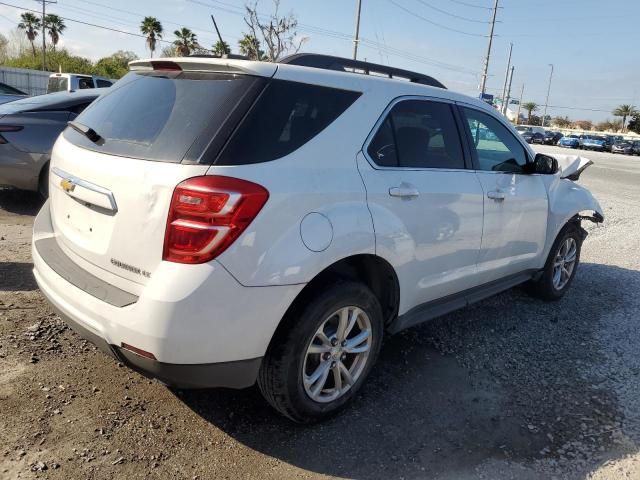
(530,107)
(30,24)
(250,47)
(152,28)
(186,41)
(55,25)
(624,111)
(221,48)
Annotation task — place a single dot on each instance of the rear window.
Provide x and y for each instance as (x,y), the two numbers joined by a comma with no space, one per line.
(57,84)
(286,116)
(163,116)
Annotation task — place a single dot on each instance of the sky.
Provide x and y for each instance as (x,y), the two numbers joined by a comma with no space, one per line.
(591,43)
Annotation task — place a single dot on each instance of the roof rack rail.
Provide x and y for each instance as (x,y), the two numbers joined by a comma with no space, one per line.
(328,62)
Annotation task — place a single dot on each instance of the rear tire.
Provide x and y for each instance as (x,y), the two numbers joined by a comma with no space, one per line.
(561,265)
(310,341)
(43,182)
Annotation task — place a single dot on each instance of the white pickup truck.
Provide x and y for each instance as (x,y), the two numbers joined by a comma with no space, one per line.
(69,82)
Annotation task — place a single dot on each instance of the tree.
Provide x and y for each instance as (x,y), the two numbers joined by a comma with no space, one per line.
(604,126)
(221,48)
(169,51)
(186,41)
(530,107)
(55,26)
(634,123)
(278,33)
(624,111)
(250,47)
(152,28)
(562,122)
(583,125)
(30,24)
(116,65)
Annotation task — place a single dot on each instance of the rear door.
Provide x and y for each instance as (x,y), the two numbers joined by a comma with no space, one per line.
(426,205)
(515,202)
(111,186)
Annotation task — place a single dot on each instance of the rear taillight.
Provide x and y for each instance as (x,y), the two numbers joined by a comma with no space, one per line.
(8,128)
(207,214)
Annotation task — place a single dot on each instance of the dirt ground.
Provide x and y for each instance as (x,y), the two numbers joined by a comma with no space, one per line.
(510,388)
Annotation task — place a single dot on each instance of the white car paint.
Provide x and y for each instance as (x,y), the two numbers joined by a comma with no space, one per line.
(452,238)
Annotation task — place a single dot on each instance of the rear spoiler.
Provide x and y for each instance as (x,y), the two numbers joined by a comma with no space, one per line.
(204,64)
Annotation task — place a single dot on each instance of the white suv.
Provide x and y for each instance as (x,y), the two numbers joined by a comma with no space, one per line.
(217,222)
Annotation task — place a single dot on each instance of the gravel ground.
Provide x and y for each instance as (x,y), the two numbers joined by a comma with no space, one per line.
(509,388)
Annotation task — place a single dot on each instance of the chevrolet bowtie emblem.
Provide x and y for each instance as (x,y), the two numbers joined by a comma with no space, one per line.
(67,185)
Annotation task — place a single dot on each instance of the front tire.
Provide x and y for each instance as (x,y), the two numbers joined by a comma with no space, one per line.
(323,353)
(561,265)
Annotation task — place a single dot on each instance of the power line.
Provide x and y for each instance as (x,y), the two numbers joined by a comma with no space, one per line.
(444,27)
(471,5)
(444,12)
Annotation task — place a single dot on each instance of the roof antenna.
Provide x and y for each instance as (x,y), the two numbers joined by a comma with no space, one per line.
(226,50)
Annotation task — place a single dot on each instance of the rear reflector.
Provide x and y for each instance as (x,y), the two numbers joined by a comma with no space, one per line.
(8,128)
(138,351)
(207,214)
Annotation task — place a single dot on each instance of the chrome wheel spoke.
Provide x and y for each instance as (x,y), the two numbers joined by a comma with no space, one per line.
(355,344)
(337,354)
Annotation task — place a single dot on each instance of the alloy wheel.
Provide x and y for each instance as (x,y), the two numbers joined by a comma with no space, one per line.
(564,263)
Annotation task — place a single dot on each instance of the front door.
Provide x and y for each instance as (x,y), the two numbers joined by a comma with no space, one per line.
(515,202)
(426,205)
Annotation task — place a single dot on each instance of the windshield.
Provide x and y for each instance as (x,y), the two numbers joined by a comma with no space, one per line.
(163,116)
(57,84)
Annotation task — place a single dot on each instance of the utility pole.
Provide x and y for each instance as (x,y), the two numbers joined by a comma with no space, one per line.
(483,84)
(44,31)
(520,104)
(506,79)
(356,38)
(508,95)
(546,104)
(226,50)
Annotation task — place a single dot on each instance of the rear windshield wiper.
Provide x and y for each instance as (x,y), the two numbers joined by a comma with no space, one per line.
(88,132)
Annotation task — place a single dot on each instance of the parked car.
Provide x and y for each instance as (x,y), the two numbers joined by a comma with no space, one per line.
(571,141)
(28,130)
(9,94)
(552,138)
(625,147)
(528,128)
(69,82)
(594,143)
(271,222)
(533,137)
(636,147)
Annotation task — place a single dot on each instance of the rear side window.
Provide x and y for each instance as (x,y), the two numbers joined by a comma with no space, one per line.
(163,116)
(103,83)
(418,134)
(286,116)
(57,84)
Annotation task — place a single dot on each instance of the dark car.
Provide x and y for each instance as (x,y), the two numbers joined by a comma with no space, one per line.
(636,147)
(624,147)
(9,94)
(28,130)
(533,137)
(552,138)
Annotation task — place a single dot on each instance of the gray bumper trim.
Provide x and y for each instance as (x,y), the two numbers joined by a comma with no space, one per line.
(60,263)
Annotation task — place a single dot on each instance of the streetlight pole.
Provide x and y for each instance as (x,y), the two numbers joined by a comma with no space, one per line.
(356,38)
(520,105)
(546,104)
(506,79)
(508,96)
(483,83)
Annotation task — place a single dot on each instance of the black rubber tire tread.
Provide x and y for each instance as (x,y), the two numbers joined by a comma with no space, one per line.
(43,182)
(280,376)
(543,287)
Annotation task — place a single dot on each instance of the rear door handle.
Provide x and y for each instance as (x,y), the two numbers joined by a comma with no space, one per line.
(403,191)
(497,196)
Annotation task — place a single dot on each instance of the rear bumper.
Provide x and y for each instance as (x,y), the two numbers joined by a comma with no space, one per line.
(238,374)
(203,328)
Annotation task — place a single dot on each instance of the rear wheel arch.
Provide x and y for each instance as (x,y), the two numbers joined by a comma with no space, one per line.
(43,180)
(371,270)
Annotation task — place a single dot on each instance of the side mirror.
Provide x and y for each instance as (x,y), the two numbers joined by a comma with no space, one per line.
(545,164)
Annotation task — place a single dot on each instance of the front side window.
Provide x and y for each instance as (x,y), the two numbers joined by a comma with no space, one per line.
(496,148)
(418,134)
